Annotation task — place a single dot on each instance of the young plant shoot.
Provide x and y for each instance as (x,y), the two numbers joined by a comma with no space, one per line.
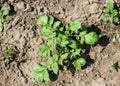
(110,13)
(63,45)
(3,12)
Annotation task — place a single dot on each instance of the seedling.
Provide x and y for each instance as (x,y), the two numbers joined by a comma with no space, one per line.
(63,45)
(3,12)
(113,67)
(7,53)
(110,13)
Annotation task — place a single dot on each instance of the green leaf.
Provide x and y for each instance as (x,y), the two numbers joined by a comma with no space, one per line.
(79,63)
(52,43)
(56,24)
(44,64)
(44,52)
(114,12)
(73,44)
(62,40)
(82,35)
(53,59)
(62,57)
(106,17)
(55,68)
(110,5)
(51,20)
(106,11)
(67,27)
(4,12)
(75,25)
(61,28)
(46,76)
(64,43)
(37,76)
(38,68)
(76,52)
(91,38)
(48,33)
(42,20)
(116,19)
(67,32)
(1,25)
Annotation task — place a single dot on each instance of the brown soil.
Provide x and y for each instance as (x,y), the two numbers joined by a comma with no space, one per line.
(22,34)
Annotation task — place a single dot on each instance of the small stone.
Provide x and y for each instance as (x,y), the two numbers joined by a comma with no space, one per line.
(21,5)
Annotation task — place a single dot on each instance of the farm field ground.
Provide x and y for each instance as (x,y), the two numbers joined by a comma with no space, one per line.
(22,34)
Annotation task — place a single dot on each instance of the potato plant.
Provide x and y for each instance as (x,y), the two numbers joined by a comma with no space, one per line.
(63,44)
(110,13)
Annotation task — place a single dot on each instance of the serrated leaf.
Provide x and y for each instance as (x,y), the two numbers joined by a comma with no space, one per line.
(44,52)
(75,25)
(55,68)
(110,5)
(106,17)
(51,20)
(46,76)
(4,11)
(56,24)
(42,20)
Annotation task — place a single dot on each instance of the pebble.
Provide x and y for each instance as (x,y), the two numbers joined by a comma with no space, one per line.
(21,5)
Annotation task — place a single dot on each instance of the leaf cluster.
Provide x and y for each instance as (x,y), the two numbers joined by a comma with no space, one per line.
(63,45)
(3,12)
(111,13)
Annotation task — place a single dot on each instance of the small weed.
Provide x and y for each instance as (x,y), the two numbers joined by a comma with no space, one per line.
(8,53)
(113,67)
